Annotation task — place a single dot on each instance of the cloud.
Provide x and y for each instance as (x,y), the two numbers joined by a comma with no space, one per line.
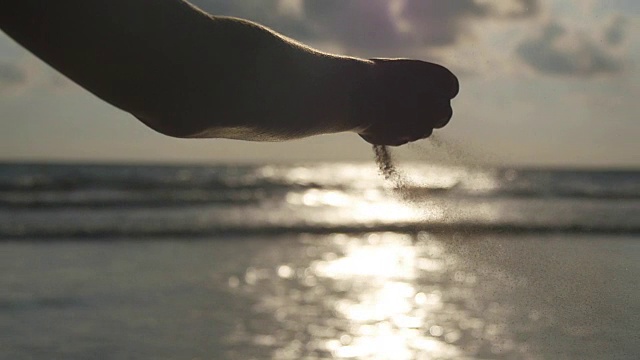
(442,22)
(561,52)
(11,75)
(20,75)
(379,25)
(365,25)
(369,27)
(615,30)
(284,16)
(626,6)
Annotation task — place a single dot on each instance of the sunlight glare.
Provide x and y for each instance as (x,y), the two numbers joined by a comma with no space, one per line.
(386,312)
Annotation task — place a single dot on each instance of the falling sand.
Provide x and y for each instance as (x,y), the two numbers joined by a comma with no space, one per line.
(387,167)
(400,182)
(531,271)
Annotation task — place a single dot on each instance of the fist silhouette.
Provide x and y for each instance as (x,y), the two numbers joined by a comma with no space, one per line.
(408,99)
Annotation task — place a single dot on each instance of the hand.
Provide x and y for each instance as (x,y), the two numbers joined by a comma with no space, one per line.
(409,99)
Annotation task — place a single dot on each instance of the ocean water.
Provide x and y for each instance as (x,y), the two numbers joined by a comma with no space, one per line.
(318,261)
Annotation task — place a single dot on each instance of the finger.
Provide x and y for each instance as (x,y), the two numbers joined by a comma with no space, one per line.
(394,141)
(398,142)
(425,133)
(442,116)
(439,80)
(435,113)
(446,82)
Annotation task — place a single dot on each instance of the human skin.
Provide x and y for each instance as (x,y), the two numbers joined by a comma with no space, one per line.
(188,74)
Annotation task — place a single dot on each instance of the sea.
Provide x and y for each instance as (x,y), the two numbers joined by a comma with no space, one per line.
(318,261)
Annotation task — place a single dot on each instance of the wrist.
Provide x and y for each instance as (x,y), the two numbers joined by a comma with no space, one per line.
(362,96)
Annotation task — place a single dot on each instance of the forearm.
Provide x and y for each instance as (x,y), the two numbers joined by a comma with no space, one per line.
(113,48)
(186,73)
(273,82)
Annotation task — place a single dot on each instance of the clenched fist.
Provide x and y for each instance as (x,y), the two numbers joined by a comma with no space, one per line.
(407,100)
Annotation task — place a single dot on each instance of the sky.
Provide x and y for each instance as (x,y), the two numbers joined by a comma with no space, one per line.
(543,83)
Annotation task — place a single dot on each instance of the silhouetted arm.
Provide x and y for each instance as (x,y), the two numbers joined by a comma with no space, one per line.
(188,74)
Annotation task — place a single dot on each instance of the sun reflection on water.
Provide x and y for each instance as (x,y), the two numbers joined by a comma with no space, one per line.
(359,299)
(372,206)
(387,313)
(374,296)
(377,258)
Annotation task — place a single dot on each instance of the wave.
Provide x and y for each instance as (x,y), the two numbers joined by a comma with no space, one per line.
(176,196)
(36,186)
(141,184)
(420,192)
(115,234)
(127,199)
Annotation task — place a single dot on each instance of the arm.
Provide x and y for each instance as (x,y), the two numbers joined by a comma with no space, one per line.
(185,73)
